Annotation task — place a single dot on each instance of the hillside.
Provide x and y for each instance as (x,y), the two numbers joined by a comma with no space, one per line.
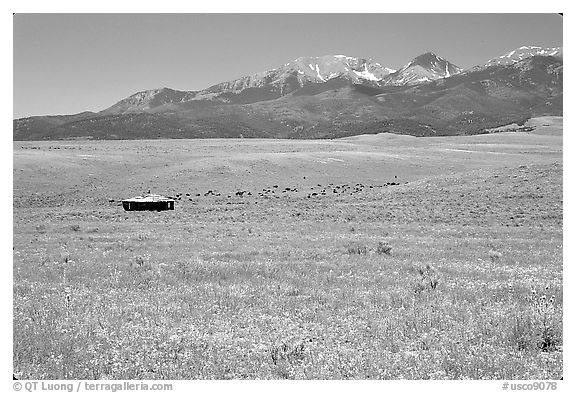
(330,97)
(290,258)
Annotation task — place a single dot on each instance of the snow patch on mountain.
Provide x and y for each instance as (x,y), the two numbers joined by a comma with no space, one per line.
(300,72)
(522,53)
(318,73)
(424,68)
(365,74)
(303,71)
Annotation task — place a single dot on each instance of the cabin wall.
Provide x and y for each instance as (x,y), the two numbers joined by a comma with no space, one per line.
(148,206)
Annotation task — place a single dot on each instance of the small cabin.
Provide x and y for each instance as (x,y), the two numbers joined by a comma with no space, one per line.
(148,202)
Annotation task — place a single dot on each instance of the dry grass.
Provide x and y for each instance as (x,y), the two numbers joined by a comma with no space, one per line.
(442,278)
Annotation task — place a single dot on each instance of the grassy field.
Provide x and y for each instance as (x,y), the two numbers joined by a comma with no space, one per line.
(453,273)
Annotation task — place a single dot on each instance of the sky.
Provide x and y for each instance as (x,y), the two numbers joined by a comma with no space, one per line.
(70,63)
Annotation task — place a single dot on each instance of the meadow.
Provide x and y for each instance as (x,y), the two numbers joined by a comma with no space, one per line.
(369,257)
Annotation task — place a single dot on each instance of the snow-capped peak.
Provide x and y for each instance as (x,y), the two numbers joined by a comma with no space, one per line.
(523,53)
(324,68)
(424,68)
(292,76)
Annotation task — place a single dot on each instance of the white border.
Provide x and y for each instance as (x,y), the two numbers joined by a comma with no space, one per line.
(368,6)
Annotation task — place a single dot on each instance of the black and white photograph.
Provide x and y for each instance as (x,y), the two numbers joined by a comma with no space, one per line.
(287,196)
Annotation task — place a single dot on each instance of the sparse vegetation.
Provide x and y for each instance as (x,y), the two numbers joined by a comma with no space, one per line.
(253,291)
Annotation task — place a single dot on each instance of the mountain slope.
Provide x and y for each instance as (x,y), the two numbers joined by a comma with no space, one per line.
(35,127)
(263,86)
(468,102)
(522,53)
(148,99)
(328,96)
(424,68)
(464,103)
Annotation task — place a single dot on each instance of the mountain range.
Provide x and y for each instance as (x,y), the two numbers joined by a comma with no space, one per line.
(331,96)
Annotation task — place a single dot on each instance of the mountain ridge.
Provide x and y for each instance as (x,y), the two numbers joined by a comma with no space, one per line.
(273,83)
(326,96)
(424,68)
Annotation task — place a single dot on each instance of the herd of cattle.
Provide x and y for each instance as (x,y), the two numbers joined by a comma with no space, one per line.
(276,191)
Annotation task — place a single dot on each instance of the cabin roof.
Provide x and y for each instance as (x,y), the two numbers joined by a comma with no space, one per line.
(148,198)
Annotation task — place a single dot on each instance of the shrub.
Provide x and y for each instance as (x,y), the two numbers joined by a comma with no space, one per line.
(494,255)
(539,327)
(293,291)
(184,269)
(522,333)
(357,249)
(427,279)
(548,323)
(288,353)
(142,260)
(383,248)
